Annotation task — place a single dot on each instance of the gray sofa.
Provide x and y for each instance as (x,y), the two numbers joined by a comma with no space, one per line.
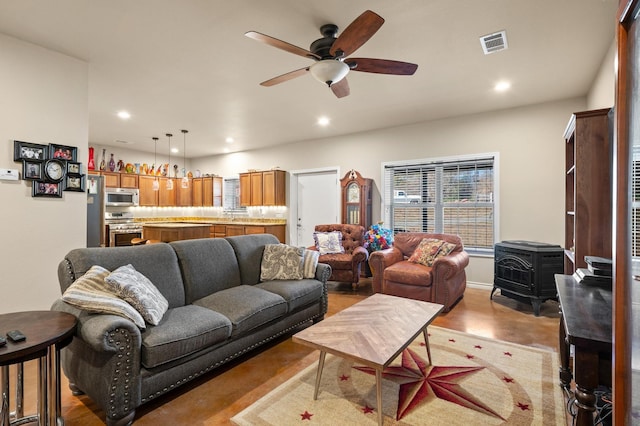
(218,311)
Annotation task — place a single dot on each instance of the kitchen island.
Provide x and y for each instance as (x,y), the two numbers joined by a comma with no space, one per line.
(173,231)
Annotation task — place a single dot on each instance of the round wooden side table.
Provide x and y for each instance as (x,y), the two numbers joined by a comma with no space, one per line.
(47,332)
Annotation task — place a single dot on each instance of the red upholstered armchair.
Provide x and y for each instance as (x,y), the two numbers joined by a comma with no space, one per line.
(444,282)
(345,267)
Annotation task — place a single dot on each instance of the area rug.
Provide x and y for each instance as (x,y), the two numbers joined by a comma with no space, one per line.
(473,381)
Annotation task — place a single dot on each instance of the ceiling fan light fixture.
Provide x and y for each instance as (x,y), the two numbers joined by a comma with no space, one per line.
(329,71)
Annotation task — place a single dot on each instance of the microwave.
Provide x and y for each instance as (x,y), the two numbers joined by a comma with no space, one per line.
(120,197)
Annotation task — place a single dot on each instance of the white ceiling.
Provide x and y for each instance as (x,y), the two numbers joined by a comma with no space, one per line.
(187,65)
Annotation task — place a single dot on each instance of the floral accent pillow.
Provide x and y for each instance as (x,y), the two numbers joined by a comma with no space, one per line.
(135,288)
(445,249)
(426,251)
(328,242)
(281,262)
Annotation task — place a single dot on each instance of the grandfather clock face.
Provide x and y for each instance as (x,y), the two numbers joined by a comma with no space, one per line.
(353,193)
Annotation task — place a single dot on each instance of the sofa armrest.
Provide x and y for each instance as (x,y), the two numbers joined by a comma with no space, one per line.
(94,329)
(360,254)
(379,260)
(446,267)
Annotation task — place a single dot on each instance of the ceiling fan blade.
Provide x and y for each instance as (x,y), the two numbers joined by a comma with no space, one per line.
(283,45)
(381,66)
(341,88)
(285,77)
(357,33)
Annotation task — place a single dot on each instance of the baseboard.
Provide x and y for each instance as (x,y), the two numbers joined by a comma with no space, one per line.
(481,286)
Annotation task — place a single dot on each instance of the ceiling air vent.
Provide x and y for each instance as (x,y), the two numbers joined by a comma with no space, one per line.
(495,42)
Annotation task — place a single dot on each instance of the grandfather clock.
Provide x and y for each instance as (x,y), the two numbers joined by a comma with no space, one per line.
(356,199)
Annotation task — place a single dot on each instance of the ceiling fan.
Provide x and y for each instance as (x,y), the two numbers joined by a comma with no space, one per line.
(330,53)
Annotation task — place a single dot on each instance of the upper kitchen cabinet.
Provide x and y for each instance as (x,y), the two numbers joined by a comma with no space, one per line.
(148,197)
(263,188)
(118,180)
(184,196)
(167,197)
(207,191)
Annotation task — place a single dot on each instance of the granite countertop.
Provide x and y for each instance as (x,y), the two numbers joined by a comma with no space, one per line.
(174,225)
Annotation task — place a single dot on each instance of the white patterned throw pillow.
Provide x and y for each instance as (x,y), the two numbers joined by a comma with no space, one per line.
(281,262)
(310,263)
(328,242)
(136,289)
(89,292)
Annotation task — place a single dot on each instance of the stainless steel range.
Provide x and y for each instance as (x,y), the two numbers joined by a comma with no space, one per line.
(121,228)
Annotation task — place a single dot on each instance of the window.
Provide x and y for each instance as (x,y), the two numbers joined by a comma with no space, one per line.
(450,196)
(231,191)
(635,203)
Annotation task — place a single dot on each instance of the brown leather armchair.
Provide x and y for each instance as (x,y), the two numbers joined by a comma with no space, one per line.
(444,282)
(345,267)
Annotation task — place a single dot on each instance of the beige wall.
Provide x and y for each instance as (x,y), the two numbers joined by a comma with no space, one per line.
(44,99)
(531,163)
(602,93)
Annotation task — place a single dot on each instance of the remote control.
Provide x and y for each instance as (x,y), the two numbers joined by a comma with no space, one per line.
(3,341)
(16,336)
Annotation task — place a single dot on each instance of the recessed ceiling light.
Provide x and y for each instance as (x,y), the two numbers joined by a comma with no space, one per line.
(174,150)
(502,86)
(323,121)
(124,115)
(229,140)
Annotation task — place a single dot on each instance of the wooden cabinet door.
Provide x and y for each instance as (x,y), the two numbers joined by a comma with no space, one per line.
(207,192)
(256,189)
(166,197)
(254,229)
(128,181)
(216,191)
(184,196)
(245,189)
(232,230)
(148,197)
(196,192)
(273,188)
(111,179)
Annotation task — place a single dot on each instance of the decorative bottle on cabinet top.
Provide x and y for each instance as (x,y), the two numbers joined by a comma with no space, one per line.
(103,162)
(92,164)
(112,163)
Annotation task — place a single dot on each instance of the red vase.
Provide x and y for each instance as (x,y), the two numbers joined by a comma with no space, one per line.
(92,164)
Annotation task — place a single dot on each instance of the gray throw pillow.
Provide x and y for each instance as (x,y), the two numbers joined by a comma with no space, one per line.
(89,292)
(281,262)
(136,289)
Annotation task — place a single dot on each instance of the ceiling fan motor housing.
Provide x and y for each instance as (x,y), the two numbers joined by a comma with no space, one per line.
(322,46)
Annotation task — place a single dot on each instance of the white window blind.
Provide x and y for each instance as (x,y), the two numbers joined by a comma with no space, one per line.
(455,196)
(635,202)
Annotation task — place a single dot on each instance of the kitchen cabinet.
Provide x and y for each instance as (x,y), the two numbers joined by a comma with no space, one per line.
(167,197)
(111,179)
(233,230)
(184,196)
(263,188)
(147,196)
(216,184)
(218,231)
(128,180)
(197,192)
(207,192)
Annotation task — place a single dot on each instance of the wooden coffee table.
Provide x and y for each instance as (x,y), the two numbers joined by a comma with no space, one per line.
(372,332)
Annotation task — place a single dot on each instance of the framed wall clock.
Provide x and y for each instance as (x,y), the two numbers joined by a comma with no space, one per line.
(54,170)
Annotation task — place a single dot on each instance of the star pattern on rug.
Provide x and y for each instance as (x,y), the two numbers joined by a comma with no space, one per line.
(367,410)
(418,381)
(306,415)
(344,378)
(523,407)
(507,353)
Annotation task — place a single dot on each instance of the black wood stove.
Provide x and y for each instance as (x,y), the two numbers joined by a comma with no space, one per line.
(524,271)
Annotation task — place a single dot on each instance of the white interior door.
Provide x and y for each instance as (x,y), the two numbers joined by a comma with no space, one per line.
(317,203)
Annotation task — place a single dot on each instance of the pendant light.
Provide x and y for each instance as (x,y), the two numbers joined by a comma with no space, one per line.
(169,180)
(185,179)
(156,185)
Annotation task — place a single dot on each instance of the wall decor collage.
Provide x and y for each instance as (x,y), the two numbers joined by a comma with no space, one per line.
(52,168)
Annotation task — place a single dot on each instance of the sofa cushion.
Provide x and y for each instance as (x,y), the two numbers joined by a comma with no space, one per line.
(248,249)
(247,307)
(135,288)
(297,293)
(208,265)
(408,273)
(182,331)
(89,292)
(328,242)
(281,262)
(341,261)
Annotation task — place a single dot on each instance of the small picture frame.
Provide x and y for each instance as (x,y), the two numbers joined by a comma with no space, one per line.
(74,168)
(29,151)
(74,183)
(31,170)
(46,189)
(63,152)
